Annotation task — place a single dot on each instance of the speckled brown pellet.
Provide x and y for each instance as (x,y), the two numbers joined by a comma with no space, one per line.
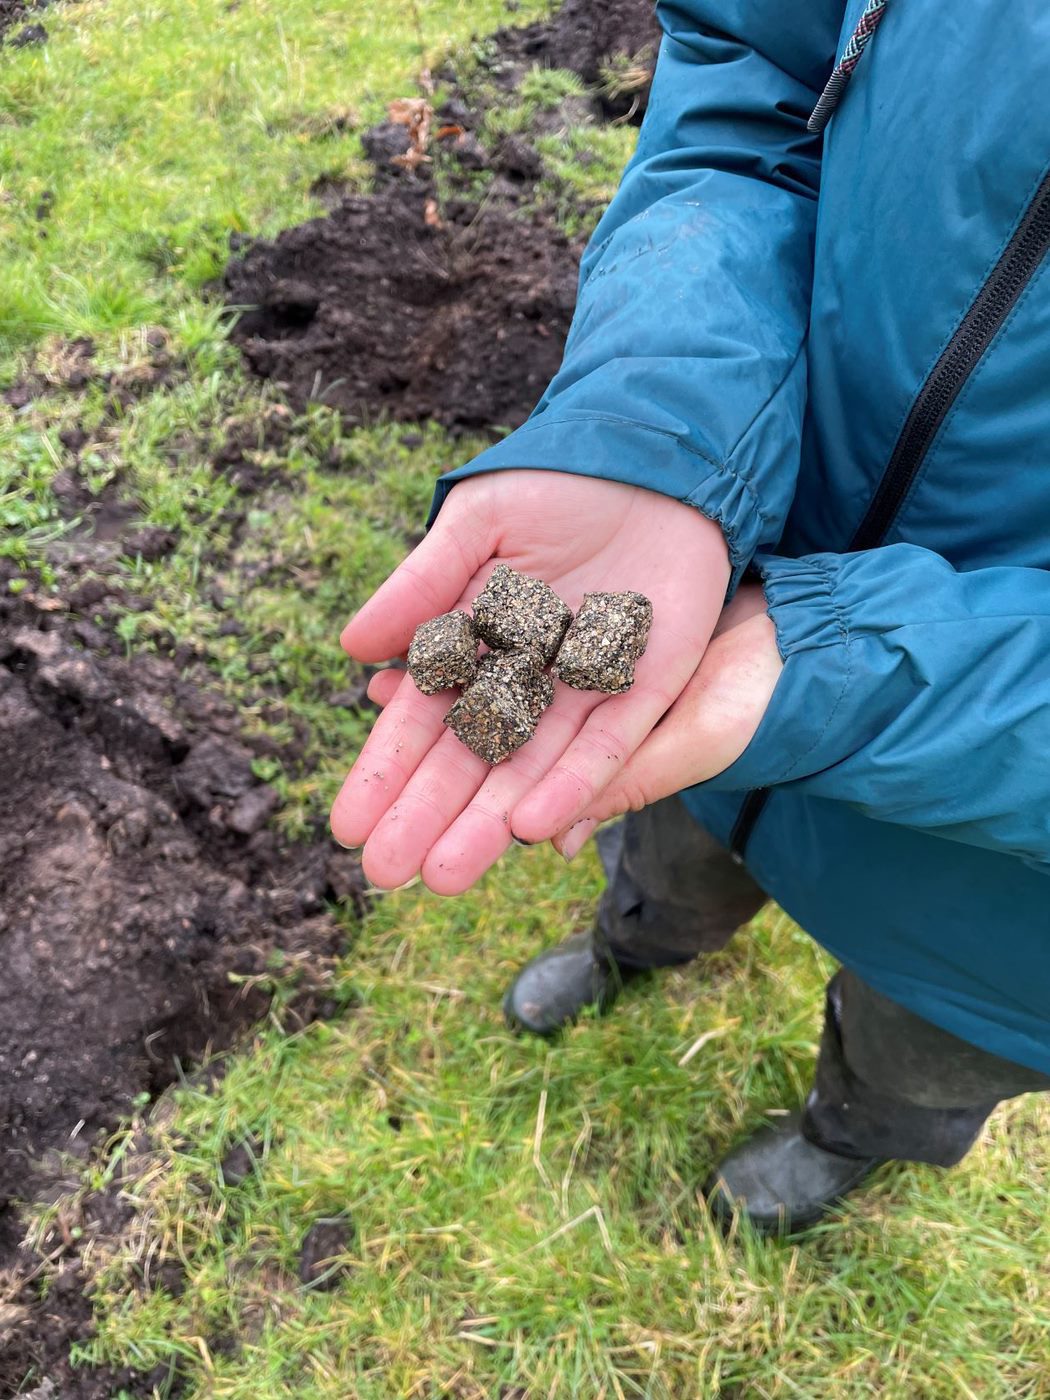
(517,611)
(518,672)
(443,653)
(602,645)
(491,719)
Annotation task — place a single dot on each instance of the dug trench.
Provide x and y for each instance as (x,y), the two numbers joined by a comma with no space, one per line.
(148,906)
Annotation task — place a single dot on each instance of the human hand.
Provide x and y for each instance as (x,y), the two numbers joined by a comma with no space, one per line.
(416,799)
(707,728)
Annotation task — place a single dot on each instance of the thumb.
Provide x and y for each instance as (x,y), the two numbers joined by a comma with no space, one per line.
(431,581)
(708,727)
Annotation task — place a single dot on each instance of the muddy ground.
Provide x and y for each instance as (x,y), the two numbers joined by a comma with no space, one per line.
(145,894)
(20,22)
(465,324)
(144,890)
(422,300)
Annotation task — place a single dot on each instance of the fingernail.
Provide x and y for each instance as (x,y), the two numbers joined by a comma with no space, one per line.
(346,845)
(576,838)
(391,889)
(519,842)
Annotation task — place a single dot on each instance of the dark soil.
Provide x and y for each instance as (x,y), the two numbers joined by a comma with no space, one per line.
(11,12)
(598,41)
(375,312)
(412,306)
(322,1243)
(142,884)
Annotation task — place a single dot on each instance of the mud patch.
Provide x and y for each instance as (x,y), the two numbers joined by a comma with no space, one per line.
(146,905)
(376,312)
(429,299)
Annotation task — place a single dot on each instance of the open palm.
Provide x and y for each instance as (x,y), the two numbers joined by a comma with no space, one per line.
(417,799)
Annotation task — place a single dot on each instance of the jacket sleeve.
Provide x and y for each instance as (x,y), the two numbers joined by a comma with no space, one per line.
(684,368)
(915,693)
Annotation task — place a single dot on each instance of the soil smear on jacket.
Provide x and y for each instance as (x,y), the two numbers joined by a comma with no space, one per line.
(147,897)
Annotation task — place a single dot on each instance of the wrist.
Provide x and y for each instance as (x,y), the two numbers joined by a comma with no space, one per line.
(716,544)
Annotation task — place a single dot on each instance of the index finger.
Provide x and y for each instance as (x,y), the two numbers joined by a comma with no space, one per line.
(401,738)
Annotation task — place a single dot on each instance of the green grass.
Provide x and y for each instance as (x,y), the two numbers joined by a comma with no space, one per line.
(159,127)
(526,1215)
(583,160)
(583,168)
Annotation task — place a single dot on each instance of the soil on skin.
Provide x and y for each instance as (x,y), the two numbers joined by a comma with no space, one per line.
(143,884)
(406,305)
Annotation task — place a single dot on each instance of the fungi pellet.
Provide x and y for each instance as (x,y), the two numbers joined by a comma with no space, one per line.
(443,653)
(608,635)
(515,611)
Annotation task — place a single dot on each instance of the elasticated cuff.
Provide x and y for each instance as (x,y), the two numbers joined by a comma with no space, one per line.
(617,449)
(797,735)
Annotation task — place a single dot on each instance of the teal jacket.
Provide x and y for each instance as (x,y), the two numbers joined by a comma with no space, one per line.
(838,347)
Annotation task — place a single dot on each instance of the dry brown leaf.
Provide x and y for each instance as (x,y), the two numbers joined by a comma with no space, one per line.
(431,217)
(416,114)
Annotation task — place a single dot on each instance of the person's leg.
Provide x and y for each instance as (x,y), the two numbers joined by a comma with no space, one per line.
(889,1085)
(673,892)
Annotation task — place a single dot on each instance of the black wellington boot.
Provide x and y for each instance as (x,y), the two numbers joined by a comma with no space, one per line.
(781,1181)
(551,991)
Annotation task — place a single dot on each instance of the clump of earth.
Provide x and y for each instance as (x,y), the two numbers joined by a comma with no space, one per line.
(420,300)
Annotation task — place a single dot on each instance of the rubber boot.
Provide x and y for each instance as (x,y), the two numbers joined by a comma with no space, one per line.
(781,1181)
(551,991)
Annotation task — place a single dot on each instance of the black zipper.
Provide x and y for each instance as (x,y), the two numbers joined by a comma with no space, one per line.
(1018,264)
